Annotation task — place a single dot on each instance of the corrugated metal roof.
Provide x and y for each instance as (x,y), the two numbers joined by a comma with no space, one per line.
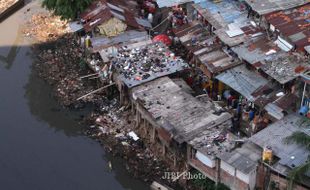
(229,18)
(242,80)
(291,155)
(131,36)
(294,24)
(186,118)
(244,159)
(268,6)
(102,10)
(171,3)
(255,50)
(205,48)
(75,26)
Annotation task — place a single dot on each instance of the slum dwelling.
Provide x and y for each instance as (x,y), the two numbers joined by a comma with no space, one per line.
(228,20)
(291,27)
(180,124)
(263,7)
(281,157)
(111,18)
(142,62)
(204,50)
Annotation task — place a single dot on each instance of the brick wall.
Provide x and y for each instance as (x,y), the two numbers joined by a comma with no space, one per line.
(207,171)
(283,182)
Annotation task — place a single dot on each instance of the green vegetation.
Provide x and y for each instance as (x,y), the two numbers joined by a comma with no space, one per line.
(66,9)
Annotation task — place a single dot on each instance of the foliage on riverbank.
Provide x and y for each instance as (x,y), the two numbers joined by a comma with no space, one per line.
(66,9)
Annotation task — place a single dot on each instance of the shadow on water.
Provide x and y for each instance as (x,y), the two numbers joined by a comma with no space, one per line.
(28,112)
(41,145)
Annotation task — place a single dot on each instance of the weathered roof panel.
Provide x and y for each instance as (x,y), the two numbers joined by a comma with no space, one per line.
(242,80)
(291,155)
(268,6)
(293,24)
(244,159)
(186,118)
(171,3)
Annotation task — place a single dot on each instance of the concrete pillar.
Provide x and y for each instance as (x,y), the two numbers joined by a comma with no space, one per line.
(235,175)
(188,153)
(217,171)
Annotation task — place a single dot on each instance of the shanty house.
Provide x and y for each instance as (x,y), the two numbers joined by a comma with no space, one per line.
(112,18)
(285,156)
(291,27)
(228,20)
(179,122)
(141,62)
(238,168)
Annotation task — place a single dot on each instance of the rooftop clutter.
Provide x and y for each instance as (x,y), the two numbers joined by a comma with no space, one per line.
(201,124)
(144,63)
(112,17)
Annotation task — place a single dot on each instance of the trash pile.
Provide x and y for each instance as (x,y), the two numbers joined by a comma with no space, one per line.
(146,63)
(45,27)
(61,65)
(116,132)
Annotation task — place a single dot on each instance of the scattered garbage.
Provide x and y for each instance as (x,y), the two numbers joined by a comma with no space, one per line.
(133,135)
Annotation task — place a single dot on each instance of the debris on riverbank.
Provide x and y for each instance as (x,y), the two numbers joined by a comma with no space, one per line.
(61,62)
(114,130)
(45,27)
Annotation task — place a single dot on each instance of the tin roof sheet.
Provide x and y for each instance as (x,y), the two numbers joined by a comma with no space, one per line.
(291,155)
(242,80)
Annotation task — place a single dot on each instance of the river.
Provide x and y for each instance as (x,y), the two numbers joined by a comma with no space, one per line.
(41,144)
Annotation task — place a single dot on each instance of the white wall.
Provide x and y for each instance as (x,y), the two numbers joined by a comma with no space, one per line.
(227,168)
(205,160)
(248,178)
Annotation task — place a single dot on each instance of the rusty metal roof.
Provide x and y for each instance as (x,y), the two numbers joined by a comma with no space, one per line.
(294,24)
(205,48)
(268,6)
(102,10)
(230,20)
(256,50)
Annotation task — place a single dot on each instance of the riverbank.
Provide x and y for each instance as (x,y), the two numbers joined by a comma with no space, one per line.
(60,61)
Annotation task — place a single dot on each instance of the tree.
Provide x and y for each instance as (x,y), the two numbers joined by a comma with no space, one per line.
(66,9)
(296,174)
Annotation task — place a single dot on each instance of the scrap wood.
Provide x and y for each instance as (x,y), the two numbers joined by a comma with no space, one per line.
(90,75)
(95,91)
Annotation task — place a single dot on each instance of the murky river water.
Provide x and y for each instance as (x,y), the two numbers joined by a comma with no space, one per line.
(41,145)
